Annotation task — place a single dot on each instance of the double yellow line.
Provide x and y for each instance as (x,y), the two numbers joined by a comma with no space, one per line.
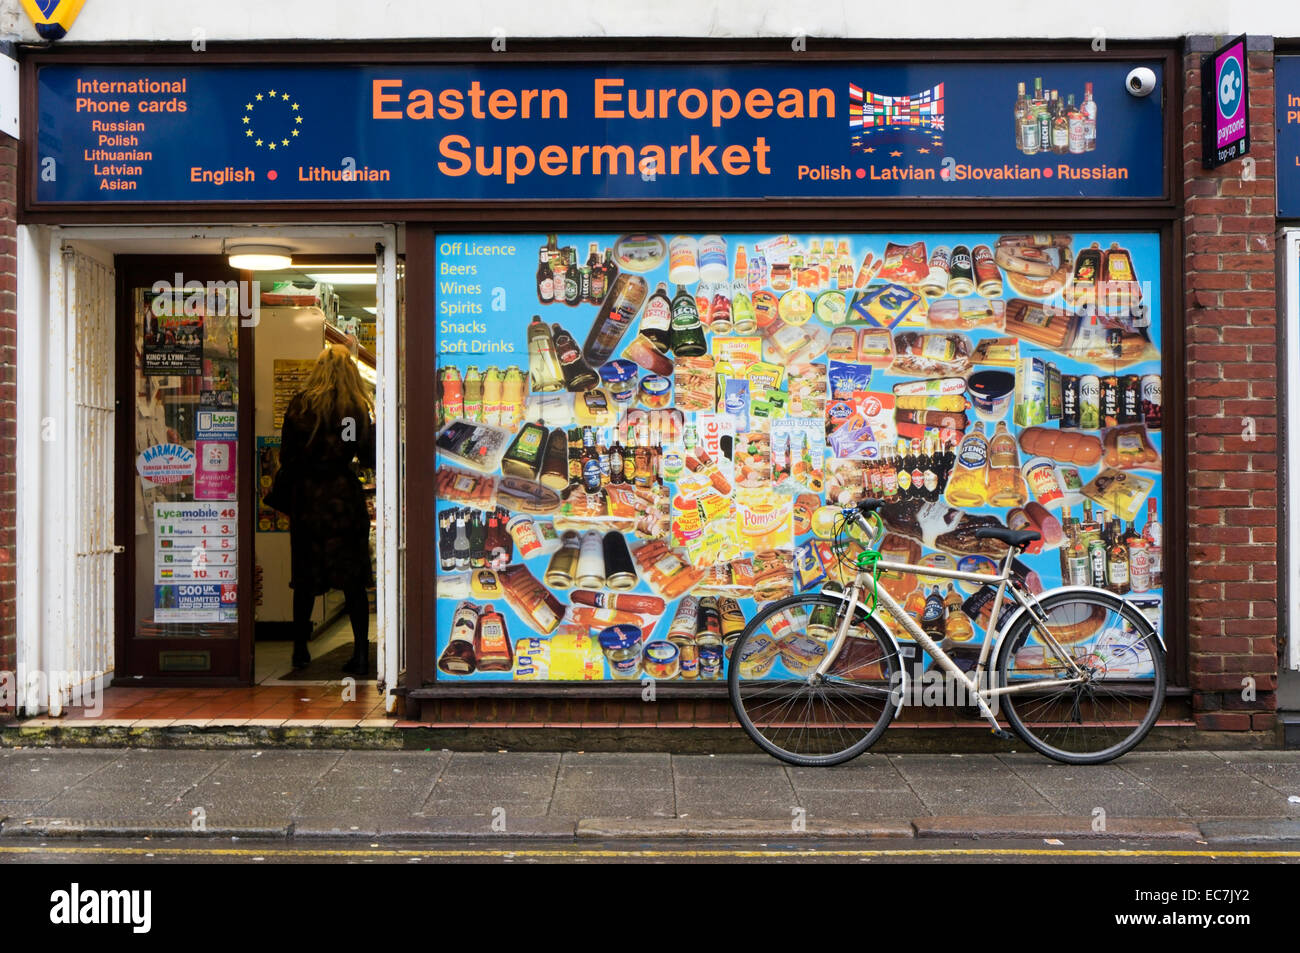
(272,852)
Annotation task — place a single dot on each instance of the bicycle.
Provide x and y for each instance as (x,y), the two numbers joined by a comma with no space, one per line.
(1079,672)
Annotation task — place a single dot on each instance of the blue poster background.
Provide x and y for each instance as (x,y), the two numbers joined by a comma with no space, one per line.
(262,134)
(488,281)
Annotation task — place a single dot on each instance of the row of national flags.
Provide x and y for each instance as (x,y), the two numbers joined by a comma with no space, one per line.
(872,114)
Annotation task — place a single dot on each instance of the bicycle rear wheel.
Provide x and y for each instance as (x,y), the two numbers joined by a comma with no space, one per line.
(1108,714)
(793,715)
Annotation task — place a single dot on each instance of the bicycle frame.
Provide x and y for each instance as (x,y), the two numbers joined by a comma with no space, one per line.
(972,681)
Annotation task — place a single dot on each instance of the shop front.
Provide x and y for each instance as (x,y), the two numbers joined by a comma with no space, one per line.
(650,325)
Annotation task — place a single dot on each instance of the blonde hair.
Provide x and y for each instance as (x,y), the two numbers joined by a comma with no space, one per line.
(334,389)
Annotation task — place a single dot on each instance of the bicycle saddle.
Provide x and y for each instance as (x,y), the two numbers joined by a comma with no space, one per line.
(1019,538)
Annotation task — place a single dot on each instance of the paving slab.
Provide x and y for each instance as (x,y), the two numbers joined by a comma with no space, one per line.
(1077,790)
(281,762)
(1054,826)
(861,805)
(879,775)
(723,827)
(1238,830)
(622,802)
(45,772)
(457,807)
(994,795)
(614,778)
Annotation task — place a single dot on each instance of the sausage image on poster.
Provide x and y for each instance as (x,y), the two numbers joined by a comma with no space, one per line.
(655,438)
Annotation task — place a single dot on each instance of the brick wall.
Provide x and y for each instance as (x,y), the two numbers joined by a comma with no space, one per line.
(1232,389)
(8,385)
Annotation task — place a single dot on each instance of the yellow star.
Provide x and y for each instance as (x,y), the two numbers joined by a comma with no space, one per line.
(295,132)
(245,120)
(295,107)
(272,146)
(869,149)
(272,94)
(258,97)
(284,142)
(297,119)
(922,149)
(259,142)
(285,97)
(249,133)
(895,154)
(249,107)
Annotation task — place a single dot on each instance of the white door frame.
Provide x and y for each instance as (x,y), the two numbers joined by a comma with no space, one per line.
(45,390)
(1289,248)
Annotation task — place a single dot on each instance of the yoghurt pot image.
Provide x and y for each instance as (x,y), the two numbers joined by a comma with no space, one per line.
(990,392)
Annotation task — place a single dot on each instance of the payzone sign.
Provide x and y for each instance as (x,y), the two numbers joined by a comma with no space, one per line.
(1225,104)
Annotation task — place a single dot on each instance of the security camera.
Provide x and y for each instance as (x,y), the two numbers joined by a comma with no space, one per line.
(1140,82)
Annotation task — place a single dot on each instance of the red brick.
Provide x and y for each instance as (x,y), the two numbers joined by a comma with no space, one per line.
(1222,721)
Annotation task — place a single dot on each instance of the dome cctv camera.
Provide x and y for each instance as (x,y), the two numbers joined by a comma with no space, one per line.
(1141,81)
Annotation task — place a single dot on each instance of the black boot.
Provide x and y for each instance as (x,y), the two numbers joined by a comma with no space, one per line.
(359,664)
(301,657)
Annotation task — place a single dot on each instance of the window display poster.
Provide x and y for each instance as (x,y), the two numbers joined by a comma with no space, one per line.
(196,602)
(215,443)
(643,438)
(196,566)
(289,376)
(173,343)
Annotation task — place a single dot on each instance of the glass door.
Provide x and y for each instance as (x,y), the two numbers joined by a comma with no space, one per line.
(187,509)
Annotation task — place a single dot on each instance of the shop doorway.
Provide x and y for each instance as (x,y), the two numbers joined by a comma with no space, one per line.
(218,356)
(122,377)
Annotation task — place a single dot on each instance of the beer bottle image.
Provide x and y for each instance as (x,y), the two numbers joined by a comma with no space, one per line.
(544,372)
(687,334)
(596,265)
(1060,128)
(656,320)
(572,278)
(545,277)
(578,375)
(614,318)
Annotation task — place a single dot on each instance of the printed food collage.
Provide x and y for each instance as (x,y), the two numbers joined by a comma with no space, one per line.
(642,438)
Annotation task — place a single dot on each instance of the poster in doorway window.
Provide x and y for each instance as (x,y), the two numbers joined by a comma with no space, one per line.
(646,439)
(215,443)
(173,338)
(196,563)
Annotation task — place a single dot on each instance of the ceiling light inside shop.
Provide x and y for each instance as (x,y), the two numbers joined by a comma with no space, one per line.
(259,257)
(344,277)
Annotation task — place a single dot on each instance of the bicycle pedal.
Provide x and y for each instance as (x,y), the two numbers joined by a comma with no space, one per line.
(1002,733)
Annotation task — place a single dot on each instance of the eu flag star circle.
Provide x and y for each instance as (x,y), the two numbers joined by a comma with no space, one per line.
(272,119)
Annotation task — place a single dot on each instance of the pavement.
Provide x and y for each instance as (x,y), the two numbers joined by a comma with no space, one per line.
(1240,797)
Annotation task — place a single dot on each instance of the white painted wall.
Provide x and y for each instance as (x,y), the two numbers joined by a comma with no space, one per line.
(128,20)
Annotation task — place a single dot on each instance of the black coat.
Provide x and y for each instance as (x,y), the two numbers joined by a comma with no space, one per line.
(329,527)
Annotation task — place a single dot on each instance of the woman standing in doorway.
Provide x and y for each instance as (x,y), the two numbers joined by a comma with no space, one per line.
(327,426)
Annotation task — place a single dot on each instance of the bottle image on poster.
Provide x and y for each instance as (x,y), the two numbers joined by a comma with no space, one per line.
(633,463)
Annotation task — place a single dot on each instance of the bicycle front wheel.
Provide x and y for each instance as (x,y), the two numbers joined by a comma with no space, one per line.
(795,715)
(1116,704)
